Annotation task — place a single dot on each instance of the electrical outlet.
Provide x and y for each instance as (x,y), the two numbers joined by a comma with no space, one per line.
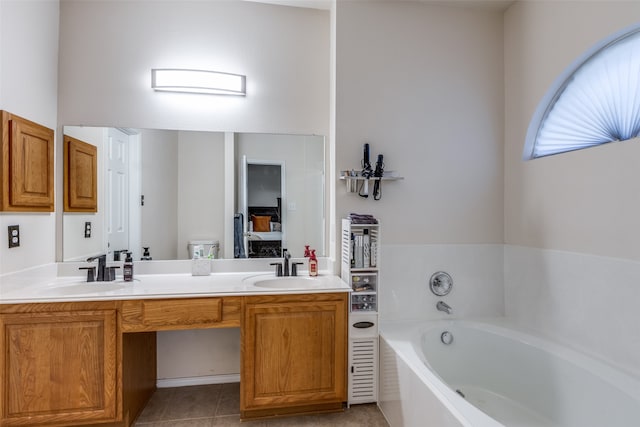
(87,229)
(14,236)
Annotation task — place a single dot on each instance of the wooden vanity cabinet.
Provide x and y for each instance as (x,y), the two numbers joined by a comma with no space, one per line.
(94,363)
(26,165)
(294,351)
(58,367)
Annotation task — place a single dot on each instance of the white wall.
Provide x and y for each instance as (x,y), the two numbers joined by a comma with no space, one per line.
(572,264)
(422,84)
(28,88)
(584,201)
(584,301)
(194,355)
(200,189)
(405,271)
(160,189)
(107,51)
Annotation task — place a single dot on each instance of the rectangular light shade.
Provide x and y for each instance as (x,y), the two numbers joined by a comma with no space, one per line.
(198,81)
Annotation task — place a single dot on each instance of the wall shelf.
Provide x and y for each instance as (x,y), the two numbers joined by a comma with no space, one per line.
(362,178)
(354,181)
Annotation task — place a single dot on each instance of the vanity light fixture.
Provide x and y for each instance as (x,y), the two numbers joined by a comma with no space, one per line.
(198,81)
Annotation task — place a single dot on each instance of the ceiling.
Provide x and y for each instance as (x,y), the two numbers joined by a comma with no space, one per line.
(499,5)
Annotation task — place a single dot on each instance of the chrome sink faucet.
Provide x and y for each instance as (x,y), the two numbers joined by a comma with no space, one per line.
(443,306)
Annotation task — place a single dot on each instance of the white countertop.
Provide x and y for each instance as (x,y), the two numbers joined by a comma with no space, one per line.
(156,286)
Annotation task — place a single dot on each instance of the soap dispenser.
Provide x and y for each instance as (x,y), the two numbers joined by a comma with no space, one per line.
(146,255)
(128,268)
(313,263)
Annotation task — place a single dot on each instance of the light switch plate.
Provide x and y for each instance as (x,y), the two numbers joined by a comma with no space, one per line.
(14,236)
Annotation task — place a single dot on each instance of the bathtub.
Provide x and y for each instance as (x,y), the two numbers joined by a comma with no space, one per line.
(493,375)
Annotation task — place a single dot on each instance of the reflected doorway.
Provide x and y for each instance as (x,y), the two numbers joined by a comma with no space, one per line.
(264,217)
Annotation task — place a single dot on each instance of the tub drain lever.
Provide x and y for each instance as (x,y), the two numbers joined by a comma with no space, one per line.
(446,337)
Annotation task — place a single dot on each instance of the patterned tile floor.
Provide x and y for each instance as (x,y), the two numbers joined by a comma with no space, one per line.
(218,405)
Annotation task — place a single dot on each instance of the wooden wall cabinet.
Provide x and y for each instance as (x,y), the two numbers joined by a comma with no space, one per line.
(80,176)
(27,166)
(59,368)
(294,350)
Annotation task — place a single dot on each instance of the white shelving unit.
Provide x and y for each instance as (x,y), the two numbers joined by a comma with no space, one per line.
(363,316)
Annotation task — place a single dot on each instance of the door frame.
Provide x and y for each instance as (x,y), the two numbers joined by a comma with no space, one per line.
(244,196)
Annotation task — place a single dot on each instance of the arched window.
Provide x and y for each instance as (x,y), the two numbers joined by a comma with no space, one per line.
(595,101)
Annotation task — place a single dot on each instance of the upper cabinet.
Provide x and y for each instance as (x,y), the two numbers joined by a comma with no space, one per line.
(80,176)
(26,166)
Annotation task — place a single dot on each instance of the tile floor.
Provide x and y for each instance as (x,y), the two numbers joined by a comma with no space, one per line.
(218,405)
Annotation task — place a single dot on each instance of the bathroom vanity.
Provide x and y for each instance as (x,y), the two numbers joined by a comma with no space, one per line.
(90,359)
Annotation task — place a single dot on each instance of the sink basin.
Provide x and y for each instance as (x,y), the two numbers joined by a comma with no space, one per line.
(286,283)
(80,288)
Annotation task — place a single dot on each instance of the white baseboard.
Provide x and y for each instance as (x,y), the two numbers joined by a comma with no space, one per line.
(188,381)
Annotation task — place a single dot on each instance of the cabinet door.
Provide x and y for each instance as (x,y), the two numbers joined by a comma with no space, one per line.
(58,368)
(27,165)
(80,176)
(293,354)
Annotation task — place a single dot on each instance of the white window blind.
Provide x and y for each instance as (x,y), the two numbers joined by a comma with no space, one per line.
(594,102)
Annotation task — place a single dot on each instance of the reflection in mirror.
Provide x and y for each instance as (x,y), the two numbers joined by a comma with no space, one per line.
(264,188)
(162,189)
(297,219)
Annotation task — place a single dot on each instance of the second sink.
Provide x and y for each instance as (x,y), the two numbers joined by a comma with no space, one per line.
(285,283)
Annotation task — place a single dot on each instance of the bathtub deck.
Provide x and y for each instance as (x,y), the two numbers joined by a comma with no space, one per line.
(507,411)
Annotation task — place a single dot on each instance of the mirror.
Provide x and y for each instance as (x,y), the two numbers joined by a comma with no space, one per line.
(162,189)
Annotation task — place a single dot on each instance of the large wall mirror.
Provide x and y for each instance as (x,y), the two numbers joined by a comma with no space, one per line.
(164,189)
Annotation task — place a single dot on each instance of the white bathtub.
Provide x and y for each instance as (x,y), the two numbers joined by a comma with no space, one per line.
(508,378)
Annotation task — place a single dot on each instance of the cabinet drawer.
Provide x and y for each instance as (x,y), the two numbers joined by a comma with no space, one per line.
(149,315)
(182,312)
(363,325)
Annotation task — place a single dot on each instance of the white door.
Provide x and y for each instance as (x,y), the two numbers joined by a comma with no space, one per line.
(117,189)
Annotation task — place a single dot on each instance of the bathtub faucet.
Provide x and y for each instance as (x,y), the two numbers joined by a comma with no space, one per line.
(443,306)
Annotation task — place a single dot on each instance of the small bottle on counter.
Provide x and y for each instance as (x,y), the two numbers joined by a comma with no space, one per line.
(313,263)
(128,268)
(146,256)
